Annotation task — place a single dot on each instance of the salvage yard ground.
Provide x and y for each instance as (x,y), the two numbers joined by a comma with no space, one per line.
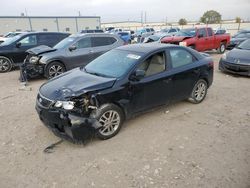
(182,145)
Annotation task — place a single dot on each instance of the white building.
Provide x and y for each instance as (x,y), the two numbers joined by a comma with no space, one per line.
(71,24)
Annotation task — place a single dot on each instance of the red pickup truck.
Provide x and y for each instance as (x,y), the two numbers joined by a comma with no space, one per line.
(200,39)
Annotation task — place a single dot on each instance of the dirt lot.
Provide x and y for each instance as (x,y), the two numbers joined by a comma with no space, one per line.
(182,145)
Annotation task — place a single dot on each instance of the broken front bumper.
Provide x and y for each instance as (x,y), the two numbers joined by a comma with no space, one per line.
(66,125)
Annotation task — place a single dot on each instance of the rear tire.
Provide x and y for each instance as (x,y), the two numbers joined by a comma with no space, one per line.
(5,64)
(222,48)
(199,92)
(111,117)
(55,68)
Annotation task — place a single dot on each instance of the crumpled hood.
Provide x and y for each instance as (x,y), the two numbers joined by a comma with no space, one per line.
(174,39)
(40,50)
(239,56)
(74,83)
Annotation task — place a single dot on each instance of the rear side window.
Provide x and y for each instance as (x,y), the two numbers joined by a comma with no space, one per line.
(30,40)
(203,32)
(210,32)
(83,43)
(102,41)
(180,57)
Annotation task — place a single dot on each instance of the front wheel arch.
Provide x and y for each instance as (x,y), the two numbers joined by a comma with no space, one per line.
(51,62)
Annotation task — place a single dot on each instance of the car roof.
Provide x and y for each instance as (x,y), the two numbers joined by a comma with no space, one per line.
(93,34)
(42,32)
(145,48)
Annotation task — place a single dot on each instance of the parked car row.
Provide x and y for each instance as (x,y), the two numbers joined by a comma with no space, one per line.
(111,82)
(14,50)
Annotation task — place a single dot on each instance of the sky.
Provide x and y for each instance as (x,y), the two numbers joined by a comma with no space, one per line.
(124,10)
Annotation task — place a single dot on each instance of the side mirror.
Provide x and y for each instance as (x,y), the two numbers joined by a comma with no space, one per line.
(18,44)
(72,48)
(200,35)
(138,75)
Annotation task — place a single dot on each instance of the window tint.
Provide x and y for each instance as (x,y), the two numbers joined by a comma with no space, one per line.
(154,64)
(45,39)
(29,41)
(84,43)
(203,32)
(210,32)
(102,41)
(180,57)
(147,30)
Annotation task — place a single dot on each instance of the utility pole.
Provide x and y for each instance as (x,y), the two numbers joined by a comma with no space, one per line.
(145,19)
(141,17)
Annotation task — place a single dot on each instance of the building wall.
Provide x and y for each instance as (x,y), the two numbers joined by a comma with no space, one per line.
(63,24)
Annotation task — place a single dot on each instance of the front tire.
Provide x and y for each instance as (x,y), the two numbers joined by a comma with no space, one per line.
(222,48)
(199,92)
(111,117)
(54,69)
(5,64)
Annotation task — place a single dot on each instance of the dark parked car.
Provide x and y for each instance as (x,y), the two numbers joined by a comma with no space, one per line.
(238,38)
(13,50)
(74,51)
(237,61)
(119,84)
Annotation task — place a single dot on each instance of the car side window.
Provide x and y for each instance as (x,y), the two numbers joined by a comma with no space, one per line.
(210,32)
(203,32)
(154,64)
(83,43)
(102,41)
(180,57)
(30,40)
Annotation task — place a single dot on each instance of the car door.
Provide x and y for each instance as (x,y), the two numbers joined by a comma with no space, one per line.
(201,42)
(210,39)
(79,54)
(185,72)
(22,45)
(100,45)
(154,88)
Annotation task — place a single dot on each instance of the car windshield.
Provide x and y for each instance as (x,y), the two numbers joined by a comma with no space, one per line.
(186,32)
(114,63)
(65,42)
(244,45)
(10,40)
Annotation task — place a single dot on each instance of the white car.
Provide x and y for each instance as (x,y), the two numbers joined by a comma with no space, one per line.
(9,35)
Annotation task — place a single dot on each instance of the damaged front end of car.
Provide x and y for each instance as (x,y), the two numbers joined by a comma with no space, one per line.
(70,119)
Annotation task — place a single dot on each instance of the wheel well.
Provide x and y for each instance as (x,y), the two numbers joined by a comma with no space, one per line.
(224,41)
(122,109)
(56,61)
(205,79)
(7,58)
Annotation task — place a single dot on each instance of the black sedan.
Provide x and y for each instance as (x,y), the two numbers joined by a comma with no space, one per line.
(237,61)
(120,84)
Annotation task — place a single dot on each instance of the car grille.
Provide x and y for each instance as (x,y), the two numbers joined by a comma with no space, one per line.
(43,101)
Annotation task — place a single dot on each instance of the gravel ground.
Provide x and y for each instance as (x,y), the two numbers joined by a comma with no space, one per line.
(182,145)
